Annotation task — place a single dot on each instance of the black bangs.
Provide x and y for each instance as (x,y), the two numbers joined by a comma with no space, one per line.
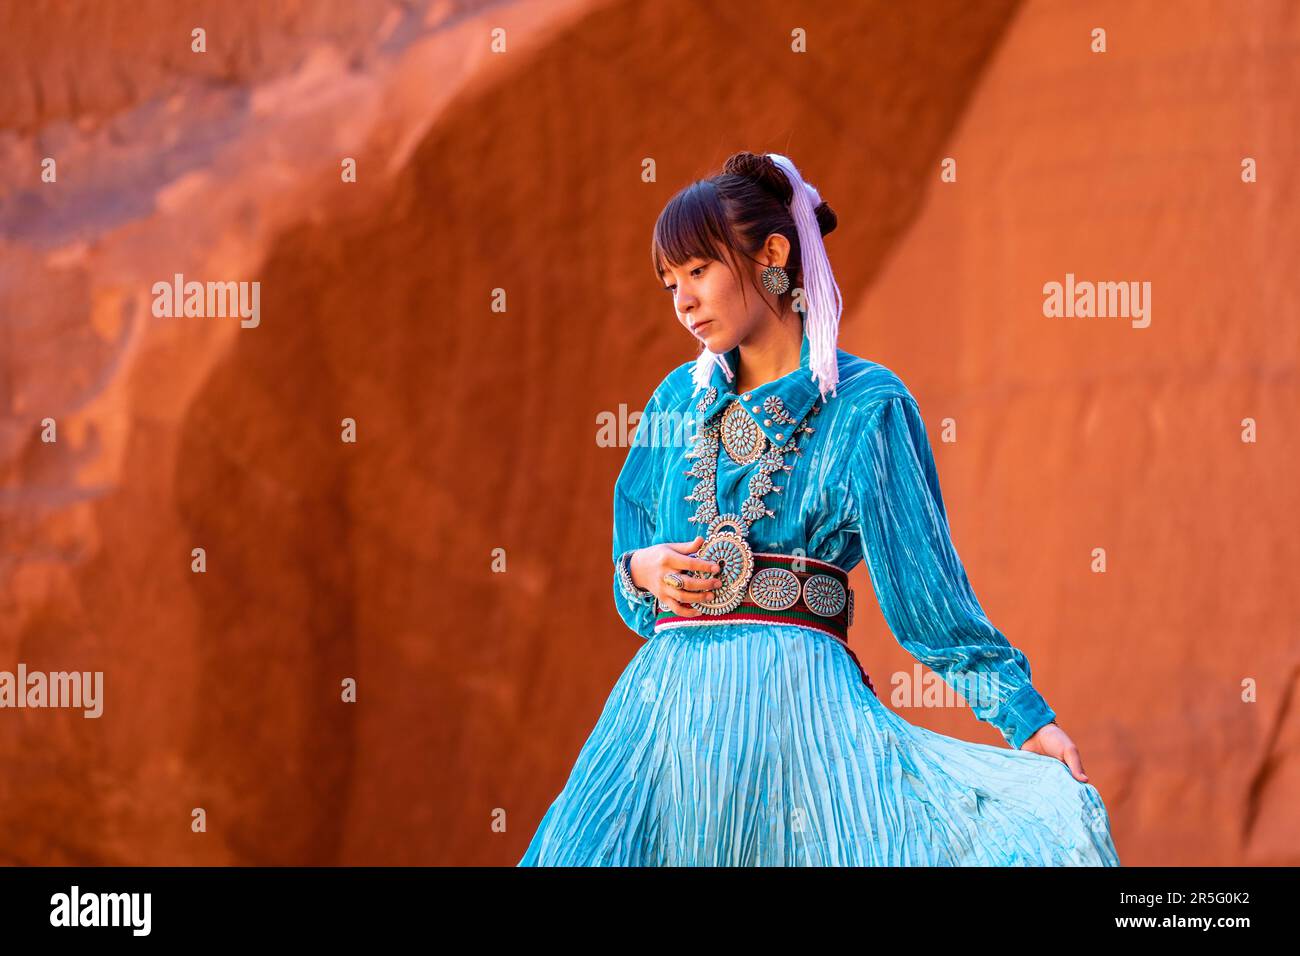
(691,226)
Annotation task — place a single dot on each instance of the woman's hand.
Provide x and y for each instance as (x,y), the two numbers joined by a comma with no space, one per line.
(1052,741)
(649,565)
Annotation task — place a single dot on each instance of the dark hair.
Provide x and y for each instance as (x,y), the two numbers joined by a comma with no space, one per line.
(730,215)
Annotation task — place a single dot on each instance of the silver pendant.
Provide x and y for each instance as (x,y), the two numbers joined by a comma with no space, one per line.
(726,545)
(741,436)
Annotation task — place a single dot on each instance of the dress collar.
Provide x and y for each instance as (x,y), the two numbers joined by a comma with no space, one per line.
(792,393)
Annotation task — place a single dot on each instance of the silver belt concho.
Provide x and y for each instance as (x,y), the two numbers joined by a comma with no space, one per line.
(778,589)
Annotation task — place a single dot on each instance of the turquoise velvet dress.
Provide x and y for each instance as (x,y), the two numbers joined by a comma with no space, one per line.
(760,745)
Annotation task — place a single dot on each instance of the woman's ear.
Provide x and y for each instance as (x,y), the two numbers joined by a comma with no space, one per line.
(776,250)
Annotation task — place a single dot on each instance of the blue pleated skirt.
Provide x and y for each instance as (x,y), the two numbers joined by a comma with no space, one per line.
(759,745)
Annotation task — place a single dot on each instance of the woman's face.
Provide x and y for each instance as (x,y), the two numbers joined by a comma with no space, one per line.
(709,304)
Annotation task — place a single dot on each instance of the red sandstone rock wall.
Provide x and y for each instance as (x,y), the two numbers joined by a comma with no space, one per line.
(476,429)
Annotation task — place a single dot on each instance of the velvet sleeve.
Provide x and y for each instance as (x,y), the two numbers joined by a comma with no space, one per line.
(919,580)
(635,505)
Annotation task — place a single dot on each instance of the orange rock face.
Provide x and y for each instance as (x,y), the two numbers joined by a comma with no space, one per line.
(391,176)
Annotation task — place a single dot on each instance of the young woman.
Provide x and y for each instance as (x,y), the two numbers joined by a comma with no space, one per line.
(744,731)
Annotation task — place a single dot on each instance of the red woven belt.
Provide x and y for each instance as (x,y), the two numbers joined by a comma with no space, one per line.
(796,591)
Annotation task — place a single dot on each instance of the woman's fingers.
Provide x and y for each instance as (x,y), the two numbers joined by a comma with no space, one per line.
(674,561)
(677,607)
(691,583)
(686,547)
(685,560)
(683,596)
(1075,763)
(686,563)
(682,600)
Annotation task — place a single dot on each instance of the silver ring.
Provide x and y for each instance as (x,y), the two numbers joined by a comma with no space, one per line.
(674,579)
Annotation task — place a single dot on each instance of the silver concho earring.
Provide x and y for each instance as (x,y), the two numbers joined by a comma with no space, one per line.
(776,280)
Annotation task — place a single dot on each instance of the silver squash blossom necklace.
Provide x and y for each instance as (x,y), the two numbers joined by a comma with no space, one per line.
(727,539)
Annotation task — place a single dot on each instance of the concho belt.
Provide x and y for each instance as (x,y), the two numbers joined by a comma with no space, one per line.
(789,590)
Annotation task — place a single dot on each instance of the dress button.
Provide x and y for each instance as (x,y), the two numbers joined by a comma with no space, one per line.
(780,437)
(746,396)
(755,409)
(768,422)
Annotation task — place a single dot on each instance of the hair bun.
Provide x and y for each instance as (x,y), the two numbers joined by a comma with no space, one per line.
(826,218)
(761,169)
